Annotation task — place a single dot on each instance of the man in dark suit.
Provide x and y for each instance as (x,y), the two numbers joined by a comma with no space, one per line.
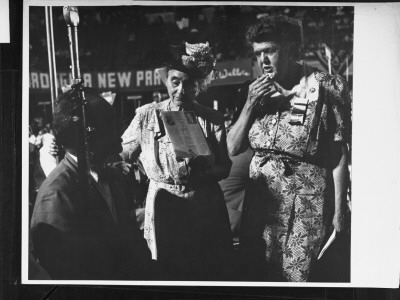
(91,238)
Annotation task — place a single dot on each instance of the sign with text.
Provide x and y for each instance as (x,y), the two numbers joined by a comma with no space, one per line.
(128,80)
(229,72)
(232,72)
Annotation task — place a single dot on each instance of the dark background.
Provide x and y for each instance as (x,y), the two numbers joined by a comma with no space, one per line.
(10,208)
(118,38)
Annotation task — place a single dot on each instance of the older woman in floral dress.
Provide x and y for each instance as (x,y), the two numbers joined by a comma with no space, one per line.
(297,120)
(186,222)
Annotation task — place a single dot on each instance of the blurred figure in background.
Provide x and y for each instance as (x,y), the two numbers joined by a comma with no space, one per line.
(235,186)
(42,159)
(47,158)
(157,97)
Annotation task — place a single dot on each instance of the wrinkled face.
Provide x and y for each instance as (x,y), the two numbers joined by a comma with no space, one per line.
(181,88)
(273,59)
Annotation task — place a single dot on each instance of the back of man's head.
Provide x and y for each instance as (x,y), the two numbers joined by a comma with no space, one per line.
(100,116)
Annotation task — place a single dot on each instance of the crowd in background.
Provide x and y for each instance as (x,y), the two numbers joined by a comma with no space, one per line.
(123,35)
(125,44)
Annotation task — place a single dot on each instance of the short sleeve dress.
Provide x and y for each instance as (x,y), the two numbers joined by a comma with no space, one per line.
(205,206)
(291,167)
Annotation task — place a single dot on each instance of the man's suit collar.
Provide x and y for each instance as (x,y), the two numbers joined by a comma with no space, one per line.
(73,165)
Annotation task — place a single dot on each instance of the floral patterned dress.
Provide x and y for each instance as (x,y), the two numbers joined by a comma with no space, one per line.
(291,167)
(144,138)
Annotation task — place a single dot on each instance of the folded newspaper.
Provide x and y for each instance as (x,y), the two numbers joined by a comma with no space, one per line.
(185,134)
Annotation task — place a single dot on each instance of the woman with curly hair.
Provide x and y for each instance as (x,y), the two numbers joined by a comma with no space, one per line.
(298,122)
(186,223)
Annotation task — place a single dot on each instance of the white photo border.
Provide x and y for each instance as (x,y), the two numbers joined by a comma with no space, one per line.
(375,244)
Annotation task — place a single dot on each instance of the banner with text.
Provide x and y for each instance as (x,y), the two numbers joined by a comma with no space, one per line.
(229,72)
(232,72)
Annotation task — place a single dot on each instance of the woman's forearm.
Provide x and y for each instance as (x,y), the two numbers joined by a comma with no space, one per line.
(131,139)
(340,180)
(262,88)
(237,140)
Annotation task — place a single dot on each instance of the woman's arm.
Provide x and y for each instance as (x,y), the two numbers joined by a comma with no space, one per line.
(237,141)
(131,139)
(340,103)
(340,180)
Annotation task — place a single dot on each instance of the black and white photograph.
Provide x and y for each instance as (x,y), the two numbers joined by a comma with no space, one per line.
(191,119)
(260,208)
(271,87)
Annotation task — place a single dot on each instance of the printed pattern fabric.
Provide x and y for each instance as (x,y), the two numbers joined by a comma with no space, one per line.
(144,139)
(299,192)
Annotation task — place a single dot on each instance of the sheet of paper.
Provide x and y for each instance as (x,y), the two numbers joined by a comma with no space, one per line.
(185,134)
(328,243)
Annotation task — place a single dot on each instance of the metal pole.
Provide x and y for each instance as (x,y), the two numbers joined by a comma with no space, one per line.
(78,69)
(71,17)
(52,60)
(71,50)
(51,55)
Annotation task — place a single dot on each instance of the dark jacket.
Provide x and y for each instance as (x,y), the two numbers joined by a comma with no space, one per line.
(78,239)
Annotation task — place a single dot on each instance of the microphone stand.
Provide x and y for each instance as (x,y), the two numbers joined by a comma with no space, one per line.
(71,17)
(52,60)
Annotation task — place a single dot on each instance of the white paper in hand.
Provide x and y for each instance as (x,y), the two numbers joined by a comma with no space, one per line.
(328,243)
(185,134)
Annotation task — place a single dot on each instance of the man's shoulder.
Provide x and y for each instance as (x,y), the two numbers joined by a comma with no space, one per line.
(61,179)
(55,198)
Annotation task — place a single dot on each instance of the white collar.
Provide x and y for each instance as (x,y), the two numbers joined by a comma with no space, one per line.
(94,174)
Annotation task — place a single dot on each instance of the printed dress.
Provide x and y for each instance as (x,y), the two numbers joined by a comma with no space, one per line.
(205,206)
(291,168)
